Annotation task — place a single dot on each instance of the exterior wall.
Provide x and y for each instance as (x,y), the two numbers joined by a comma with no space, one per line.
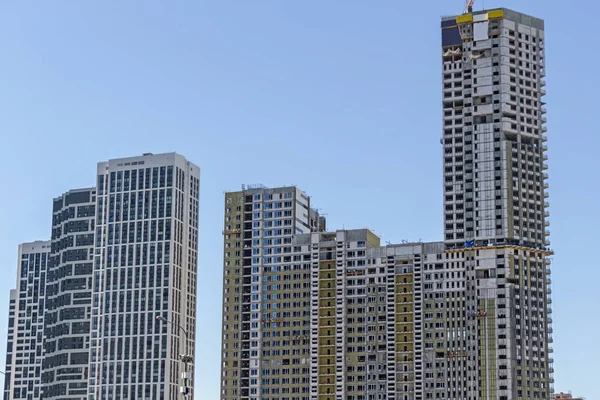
(27,331)
(69,296)
(145,265)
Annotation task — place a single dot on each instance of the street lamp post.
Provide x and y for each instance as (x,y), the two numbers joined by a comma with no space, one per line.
(185,358)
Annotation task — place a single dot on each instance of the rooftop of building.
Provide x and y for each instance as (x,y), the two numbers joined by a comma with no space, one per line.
(507,14)
(566,396)
(147,159)
(259,187)
(35,246)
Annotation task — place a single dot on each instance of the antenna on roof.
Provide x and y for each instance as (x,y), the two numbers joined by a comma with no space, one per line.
(469,7)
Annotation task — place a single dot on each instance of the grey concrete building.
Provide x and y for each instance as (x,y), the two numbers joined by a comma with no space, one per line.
(495,200)
(69,296)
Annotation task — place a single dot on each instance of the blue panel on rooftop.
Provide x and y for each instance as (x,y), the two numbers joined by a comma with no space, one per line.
(451,37)
(450,22)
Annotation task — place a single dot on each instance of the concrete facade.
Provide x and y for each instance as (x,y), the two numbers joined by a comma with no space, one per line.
(68,296)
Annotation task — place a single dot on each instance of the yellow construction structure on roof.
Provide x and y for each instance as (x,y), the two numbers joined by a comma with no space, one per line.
(464,19)
(496,14)
(468,18)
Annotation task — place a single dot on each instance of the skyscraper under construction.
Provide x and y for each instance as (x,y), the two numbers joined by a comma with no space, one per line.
(316,315)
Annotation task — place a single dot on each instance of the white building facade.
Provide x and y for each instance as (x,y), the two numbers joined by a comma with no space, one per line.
(26,323)
(145,266)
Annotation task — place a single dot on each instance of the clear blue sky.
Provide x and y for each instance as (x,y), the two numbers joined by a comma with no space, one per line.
(341,98)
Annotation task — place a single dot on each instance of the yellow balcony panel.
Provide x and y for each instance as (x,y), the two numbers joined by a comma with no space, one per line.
(326,313)
(327,284)
(404,347)
(327,330)
(327,370)
(326,274)
(326,380)
(327,351)
(326,361)
(325,343)
(326,303)
(326,293)
(331,386)
(326,265)
(326,322)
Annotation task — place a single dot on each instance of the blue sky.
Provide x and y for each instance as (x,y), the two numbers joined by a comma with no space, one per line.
(341,98)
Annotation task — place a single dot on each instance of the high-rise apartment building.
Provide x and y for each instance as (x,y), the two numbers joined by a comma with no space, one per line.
(258,230)
(494,125)
(145,265)
(311,315)
(69,296)
(26,323)
(83,318)
(495,199)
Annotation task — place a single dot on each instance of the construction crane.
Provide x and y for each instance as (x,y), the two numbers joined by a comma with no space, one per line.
(469,7)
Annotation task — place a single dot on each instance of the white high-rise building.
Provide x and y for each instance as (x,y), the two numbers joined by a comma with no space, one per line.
(26,323)
(145,266)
